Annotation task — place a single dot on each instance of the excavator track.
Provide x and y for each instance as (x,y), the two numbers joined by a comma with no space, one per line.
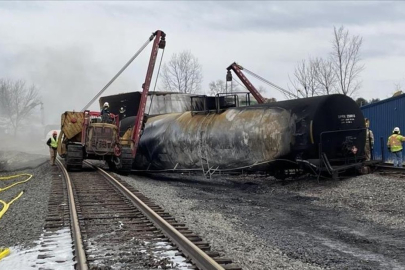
(74,157)
(126,160)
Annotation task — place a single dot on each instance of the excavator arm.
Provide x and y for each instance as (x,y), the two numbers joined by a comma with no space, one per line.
(238,71)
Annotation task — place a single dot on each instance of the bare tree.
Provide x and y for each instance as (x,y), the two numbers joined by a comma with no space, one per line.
(325,76)
(305,79)
(17,101)
(183,73)
(270,100)
(398,87)
(346,61)
(217,86)
(220,86)
(361,101)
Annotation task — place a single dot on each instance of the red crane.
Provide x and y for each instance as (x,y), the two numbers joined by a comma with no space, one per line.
(159,43)
(238,70)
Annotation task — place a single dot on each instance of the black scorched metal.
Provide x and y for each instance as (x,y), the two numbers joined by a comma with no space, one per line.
(279,135)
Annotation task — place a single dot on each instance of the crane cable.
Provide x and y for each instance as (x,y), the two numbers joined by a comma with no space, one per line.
(157,76)
(240,84)
(284,91)
(119,72)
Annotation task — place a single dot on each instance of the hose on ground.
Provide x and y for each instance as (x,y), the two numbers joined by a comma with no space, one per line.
(7,205)
(6,251)
(3,178)
(16,183)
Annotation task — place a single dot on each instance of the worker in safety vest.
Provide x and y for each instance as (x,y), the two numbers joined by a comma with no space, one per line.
(369,140)
(395,146)
(105,113)
(53,146)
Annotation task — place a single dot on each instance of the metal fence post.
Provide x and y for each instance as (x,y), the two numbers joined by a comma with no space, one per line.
(382,149)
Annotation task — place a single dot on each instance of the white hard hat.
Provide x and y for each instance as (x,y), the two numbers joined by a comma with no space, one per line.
(396,129)
(106,104)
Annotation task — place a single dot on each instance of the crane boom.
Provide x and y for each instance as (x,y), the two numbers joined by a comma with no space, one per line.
(159,43)
(238,70)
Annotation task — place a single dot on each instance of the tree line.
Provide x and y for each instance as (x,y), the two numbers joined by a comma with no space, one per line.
(338,72)
(17,101)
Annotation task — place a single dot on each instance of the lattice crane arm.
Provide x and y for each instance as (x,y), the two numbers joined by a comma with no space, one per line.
(238,71)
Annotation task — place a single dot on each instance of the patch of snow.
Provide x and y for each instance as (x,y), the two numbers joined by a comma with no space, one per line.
(177,261)
(58,253)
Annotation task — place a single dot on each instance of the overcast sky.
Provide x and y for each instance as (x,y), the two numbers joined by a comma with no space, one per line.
(70,50)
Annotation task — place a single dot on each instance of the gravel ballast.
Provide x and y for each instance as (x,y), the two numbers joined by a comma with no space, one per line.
(23,222)
(261,223)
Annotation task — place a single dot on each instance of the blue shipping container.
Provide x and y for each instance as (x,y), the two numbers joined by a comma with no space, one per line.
(384,116)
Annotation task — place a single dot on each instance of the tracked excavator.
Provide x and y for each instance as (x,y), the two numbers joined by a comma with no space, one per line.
(91,135)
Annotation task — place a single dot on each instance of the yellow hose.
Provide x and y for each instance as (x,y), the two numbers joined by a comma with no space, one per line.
(4,252)
(7,205)
(15,176)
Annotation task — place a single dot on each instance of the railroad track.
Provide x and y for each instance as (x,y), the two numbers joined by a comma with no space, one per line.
(389,169)
(115,226)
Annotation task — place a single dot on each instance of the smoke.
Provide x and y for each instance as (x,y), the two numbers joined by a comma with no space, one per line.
(67,78)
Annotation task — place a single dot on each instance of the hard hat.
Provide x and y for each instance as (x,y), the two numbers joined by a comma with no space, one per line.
(396,129)
(55,133)
(106,104)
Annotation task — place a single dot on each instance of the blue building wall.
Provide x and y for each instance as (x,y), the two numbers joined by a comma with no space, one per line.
(384,117)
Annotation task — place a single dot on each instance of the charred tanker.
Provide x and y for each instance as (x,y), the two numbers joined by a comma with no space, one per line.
(319,134)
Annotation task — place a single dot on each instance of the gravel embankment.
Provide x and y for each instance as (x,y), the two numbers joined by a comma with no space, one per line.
(17,161)
(22,223)
(380,199)
(224,232)
(262,224)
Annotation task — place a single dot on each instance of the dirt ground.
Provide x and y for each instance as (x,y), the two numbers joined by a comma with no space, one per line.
(357,223)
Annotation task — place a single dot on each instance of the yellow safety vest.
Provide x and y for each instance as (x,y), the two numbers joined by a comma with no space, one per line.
(395,142)
(54,143)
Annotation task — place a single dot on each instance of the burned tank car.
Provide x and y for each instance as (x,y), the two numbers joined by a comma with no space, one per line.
(233,139)
(265,137)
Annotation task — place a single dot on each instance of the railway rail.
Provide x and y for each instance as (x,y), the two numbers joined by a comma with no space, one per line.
(389,169)
(114,225)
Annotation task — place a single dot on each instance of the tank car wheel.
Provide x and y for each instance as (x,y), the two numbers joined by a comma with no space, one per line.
(280,175)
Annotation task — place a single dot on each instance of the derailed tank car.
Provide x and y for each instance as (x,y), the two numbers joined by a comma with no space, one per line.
(318,134)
